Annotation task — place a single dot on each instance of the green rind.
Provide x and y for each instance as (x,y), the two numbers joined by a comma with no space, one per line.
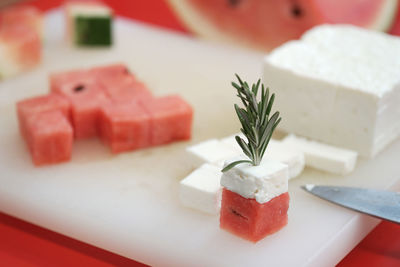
(93,31)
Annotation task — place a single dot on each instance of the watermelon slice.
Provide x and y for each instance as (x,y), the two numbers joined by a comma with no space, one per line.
(171,119)
(124,127)
(265,24)
(40,104)
(251,220)
(395,30)
(49,137)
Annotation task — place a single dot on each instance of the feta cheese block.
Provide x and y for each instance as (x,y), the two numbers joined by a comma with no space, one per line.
(89,23)
(291,156)
(262,182)
(340,85)
(201,190)
(211,151)
(276,151)
(324,157)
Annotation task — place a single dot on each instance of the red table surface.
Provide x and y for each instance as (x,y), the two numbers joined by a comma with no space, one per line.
(24,244)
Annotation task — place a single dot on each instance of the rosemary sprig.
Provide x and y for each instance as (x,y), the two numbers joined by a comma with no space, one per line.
(257,126)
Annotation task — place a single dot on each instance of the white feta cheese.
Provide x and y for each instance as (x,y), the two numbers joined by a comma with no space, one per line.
(201,190)
(211,151)
(231,142)
(292,157)
(339,85)
(262,183)
(276,151)
(324,157)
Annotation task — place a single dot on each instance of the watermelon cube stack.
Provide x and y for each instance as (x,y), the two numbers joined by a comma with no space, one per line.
(44,123)
(105,101)
(49,137)
(39,104)
(255,200)
(89,23)
(20,40)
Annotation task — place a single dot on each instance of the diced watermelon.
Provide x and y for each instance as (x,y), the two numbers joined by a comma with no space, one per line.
(112,70)
(49,137)
(251,220)
(39,104)
(22,48)
(64,82)
(28,16)
(85,106)
(171,119)
(126,89)
(124,127)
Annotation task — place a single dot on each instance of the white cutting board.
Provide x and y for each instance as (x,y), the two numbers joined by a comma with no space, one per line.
(128,203)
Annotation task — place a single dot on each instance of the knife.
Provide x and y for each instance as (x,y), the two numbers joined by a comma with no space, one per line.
(381,204)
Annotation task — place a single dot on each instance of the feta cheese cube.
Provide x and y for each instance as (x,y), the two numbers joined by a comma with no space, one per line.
(262,182)
(324,157)
(292,157)
(201,190)
(211,151)
(276,151)
(339,85)
(231,142)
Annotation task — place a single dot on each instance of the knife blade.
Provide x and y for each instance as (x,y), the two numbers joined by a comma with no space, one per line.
(377,203)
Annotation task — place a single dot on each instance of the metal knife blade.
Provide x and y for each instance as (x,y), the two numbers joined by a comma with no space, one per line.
(380,204)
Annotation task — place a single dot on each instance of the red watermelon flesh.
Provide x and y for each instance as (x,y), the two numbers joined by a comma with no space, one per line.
(109,71)
(395,30)
(85,107)
(126,89)
(265,24)
(23,45)
(40,104)
(171,119)
(49,137)
(67,82)
(251,220)
(28,16)
(124,127)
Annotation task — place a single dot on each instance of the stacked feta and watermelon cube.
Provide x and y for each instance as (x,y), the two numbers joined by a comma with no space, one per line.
(20,40)
(107,102)
(89,23)
(255,199)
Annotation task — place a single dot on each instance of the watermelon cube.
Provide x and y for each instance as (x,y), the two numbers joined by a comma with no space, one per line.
(126,89)
(20,50)
(124,127)
(27,16)
(39,104)
(171,119)
(69,81)
(251,220)
(49,136)
(89,23)
(86,102)
(113,70)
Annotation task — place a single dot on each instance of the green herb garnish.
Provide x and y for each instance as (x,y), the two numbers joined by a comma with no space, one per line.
(257,127)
